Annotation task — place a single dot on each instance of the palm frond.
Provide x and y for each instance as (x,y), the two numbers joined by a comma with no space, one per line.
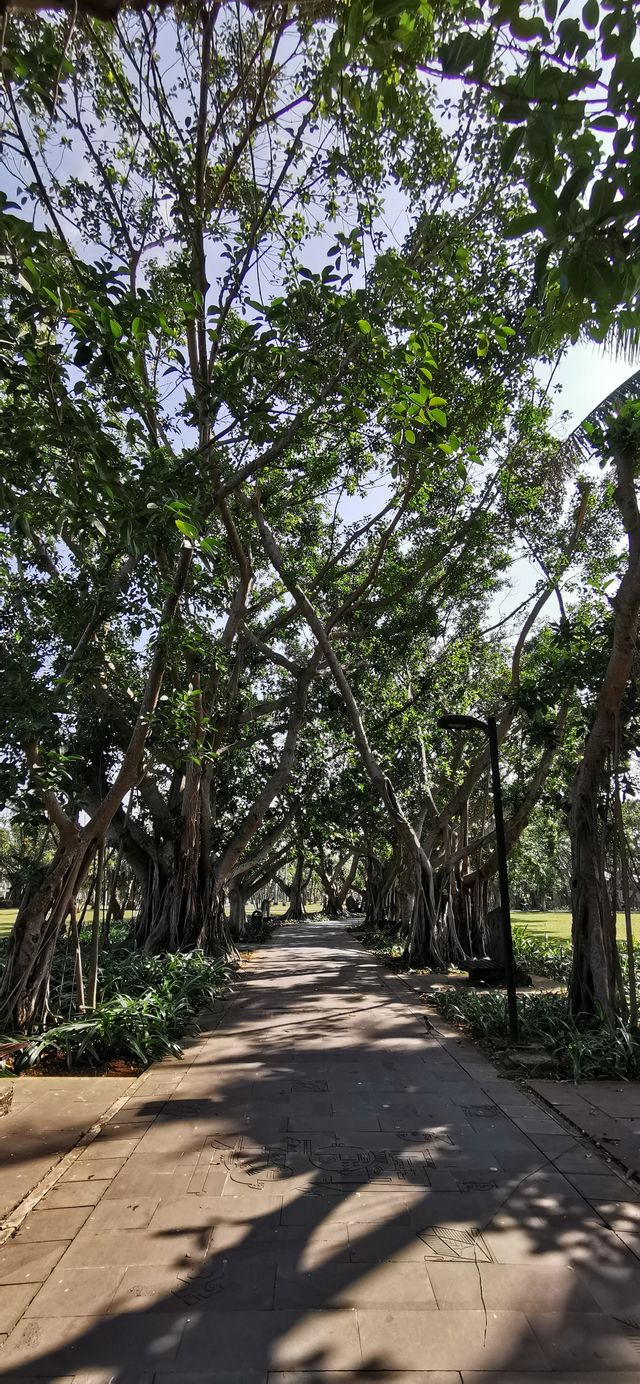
(600,415)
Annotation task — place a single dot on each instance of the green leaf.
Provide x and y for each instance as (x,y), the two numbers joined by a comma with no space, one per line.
(364,326)
(409,435)
(602,198)
(355,22)
(460,54)
(439,417)
(84,353)
(591,14)
(604,122)
(187,528)
(116,329)
(528,29)
(521,225)
(510,147)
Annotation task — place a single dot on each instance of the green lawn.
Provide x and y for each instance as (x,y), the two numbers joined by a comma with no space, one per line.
(555,924)
(7,915)
(559,924)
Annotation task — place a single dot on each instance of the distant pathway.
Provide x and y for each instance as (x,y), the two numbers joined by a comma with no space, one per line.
(326,1190)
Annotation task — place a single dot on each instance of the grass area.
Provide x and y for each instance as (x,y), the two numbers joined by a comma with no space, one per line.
(7,915)
(558,925)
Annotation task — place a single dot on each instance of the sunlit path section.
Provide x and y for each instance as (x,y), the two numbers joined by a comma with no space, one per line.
(327,1189)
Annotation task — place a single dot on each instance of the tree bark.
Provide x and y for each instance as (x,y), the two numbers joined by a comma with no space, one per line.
(237,910)
(296,910)
(594,986)
(24,987)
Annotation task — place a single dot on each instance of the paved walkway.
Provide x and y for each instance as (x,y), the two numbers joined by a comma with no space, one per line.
(607,1111)
(47,1117)
(327,1192)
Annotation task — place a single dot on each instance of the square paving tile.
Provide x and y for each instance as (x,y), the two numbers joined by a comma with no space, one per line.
(515,1287)
(586,1340)
(73,1194)
(53,1346)
(76,1292)
(14,1299)
(30,1262)
(92,1249)
(91,1170)
(365,1376)
(214,1286)
(466,1339)
(352,1285)
(53,1225)
(132,1214)
(272,1339)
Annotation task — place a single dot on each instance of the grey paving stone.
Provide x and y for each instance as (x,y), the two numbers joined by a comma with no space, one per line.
(350,1285)
(30,1262)
(366,1376)
(14,1300)
(273,1340)
(457,1339)
(320,1191)
(586,1340)
(59,1224)
(76,1292)
(73,1194)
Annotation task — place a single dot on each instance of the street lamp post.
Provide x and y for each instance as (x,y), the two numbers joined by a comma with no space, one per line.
(490,729)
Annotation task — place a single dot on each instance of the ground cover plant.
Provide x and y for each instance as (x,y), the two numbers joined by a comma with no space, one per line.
(580,1049)
(145,1004)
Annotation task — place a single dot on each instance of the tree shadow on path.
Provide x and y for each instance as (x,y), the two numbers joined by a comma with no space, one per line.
(326,1192)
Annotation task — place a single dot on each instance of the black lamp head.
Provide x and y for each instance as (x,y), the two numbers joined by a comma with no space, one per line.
(455,722)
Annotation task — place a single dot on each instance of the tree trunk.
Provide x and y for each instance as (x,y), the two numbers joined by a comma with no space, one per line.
(24,990)
(296,911)
(75,937)
(94,954)
(595,983)
(406,889)
(237,910)
(379,892)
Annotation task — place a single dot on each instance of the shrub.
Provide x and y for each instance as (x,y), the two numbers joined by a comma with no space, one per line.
(581,1048)
(145,1005)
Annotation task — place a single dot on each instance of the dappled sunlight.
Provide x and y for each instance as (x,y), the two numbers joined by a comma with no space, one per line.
(330,1189)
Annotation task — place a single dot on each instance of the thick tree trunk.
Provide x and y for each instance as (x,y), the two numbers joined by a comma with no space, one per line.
(179,885)
(296,910)
(379,902)
(406,889)
(595,983)
(24,990)
(237,910)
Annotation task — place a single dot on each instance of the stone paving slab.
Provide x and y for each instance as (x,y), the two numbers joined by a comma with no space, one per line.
(607,1111)
(47,1117)
(327,1190)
